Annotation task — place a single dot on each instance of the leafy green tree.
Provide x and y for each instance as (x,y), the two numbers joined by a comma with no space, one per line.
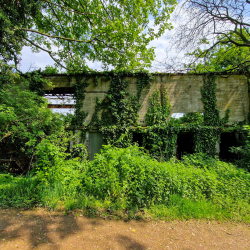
(225,58)
(115,32)
(24,121)
(15,14)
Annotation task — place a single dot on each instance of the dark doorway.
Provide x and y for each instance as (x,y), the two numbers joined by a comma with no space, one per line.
(185,144)
(138,138)
(95,144)
(227,140)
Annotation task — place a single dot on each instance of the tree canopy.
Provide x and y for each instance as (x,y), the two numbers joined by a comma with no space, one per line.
(114,32)
(216,31)
(225,58)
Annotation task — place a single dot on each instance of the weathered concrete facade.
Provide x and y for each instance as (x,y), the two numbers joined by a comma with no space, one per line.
(184,91)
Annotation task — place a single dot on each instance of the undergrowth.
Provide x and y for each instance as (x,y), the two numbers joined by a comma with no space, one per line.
(127,183)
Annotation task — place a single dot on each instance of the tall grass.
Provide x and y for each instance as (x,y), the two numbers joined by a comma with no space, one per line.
(128,183)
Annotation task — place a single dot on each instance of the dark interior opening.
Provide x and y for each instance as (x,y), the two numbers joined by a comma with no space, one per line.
(185,144)
(138,138)
(227,140)
(64,90)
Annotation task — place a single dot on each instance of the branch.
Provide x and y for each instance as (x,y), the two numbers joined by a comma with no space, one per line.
(49,52)
(109,46)
(7,160)
(230,40)
(59,37)
(66,3)
(73,10)
(6,135)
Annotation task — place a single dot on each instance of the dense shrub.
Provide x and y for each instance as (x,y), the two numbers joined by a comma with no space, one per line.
(129,180)
(132,174)
(24,121)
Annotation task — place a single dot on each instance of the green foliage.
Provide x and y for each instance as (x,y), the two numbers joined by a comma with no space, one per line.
(120,112)
(159,108)
(161,141)
(7,76)
(79,151)
(243,152)
(79,96)
(192,118)
(161,135)
(223,57)
(133,174)
(123,181)
(35,81)
(125,173)
(99,30)
(50,70)
(18,191)
(13,16)
(24,121)
(209,134)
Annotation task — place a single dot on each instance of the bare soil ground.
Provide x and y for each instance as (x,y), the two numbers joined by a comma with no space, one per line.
(40,229)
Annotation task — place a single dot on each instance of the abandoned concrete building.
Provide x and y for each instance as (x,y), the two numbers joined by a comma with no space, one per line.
(184,93)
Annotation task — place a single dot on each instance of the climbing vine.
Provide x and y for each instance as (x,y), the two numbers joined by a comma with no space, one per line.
(119,109)
(79,96)
(116,116)
(208,135)
(161,135)
(117,112)
(36,81)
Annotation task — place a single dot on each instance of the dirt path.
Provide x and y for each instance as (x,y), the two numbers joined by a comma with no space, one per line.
(39,229)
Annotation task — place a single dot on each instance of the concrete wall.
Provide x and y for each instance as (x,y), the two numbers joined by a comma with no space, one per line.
(183,91)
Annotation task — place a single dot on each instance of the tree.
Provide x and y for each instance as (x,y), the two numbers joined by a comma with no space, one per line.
(14,15)
(24,121)
(115,32)
(223,58)
(223,25)
(31,134)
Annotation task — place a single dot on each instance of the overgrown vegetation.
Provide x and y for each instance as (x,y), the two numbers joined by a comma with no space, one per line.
(26,122)
(127,183)
(123,181)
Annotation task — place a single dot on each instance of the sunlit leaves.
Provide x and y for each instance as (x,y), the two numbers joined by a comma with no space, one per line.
(114,32)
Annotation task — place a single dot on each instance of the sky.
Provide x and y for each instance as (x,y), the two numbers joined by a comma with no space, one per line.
(32,61)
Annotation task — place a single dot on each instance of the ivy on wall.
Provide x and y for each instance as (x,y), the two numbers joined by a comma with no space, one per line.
(160,137)
(208,135)
(79,96)
(117,114)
